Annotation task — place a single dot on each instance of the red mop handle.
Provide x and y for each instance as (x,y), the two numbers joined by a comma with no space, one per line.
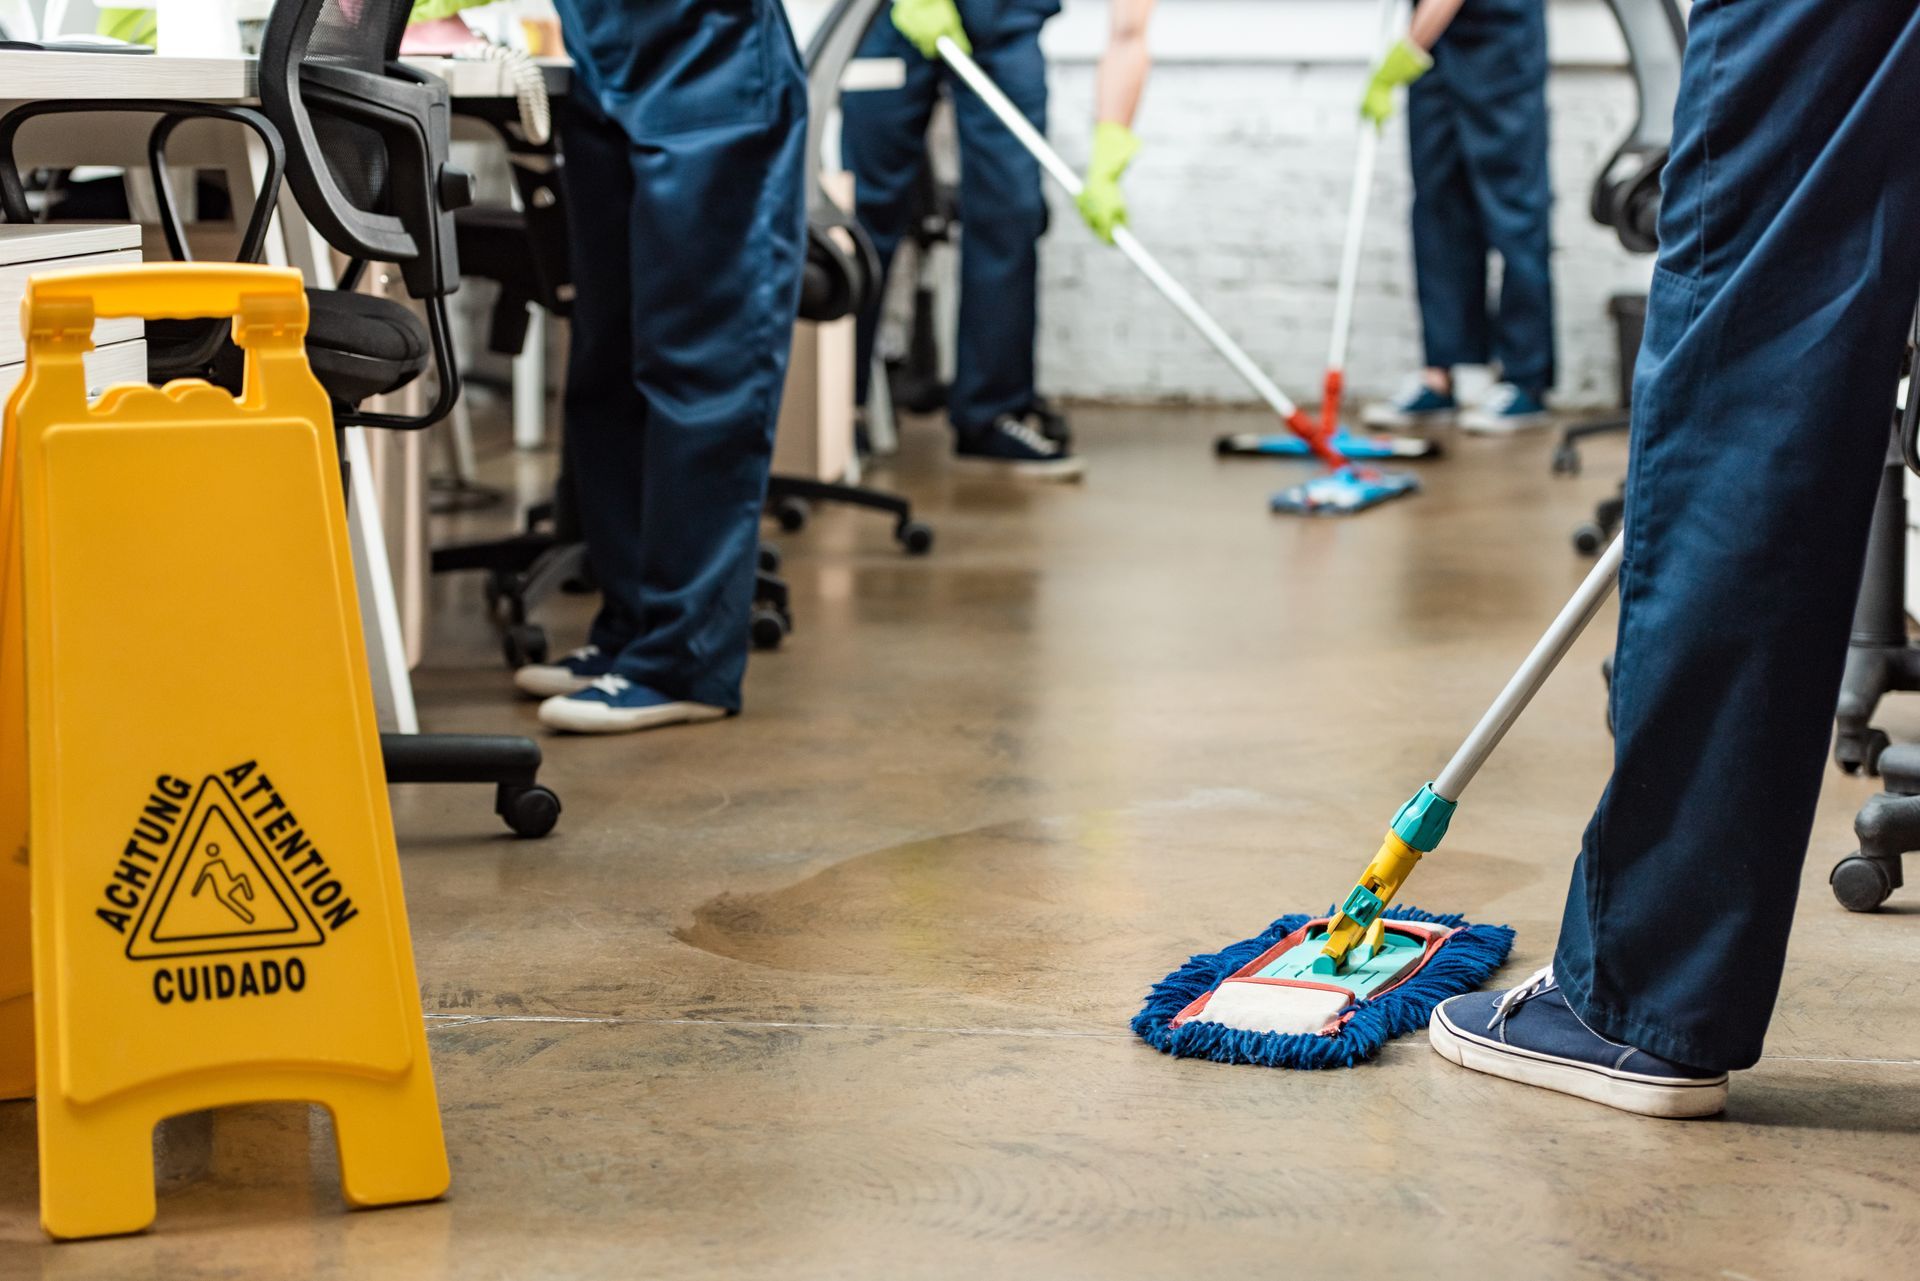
(1330,401)
(1318,438)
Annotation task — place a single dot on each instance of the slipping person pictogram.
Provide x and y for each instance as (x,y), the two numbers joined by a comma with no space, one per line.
(227,888)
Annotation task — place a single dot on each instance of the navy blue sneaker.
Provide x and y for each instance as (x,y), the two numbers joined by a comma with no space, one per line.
(1017,445)
(615,705)
(570,675)
(1531,1035)
(1506,410)
(1417,405)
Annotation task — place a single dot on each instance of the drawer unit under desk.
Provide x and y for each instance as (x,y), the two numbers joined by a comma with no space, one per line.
(121,362)
(26,250)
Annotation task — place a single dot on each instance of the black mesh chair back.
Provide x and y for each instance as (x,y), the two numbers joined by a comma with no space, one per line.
(367,136)
(367,141)
(1626,196)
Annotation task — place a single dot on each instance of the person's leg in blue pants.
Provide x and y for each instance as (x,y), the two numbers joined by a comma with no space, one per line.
(1003,214)
(1789,266)
(1449,246)
(1477,128)
(993,405)
(688,224)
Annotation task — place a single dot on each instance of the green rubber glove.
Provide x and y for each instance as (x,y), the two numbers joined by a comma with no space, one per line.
(135,26)
(1403,64)
(1101,201)
(923,22)
(434,10)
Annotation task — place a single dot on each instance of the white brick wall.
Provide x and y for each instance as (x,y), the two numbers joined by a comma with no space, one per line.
(1241,190)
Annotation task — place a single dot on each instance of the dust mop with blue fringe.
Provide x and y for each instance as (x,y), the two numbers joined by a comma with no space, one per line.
(1317,992)
(1174,1019)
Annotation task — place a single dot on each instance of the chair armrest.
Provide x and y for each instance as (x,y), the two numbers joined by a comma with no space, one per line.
(173,112)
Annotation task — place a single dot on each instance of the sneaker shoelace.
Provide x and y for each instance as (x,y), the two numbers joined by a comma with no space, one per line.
(1514,997)
(1024,432)
(611,684)
(585,654)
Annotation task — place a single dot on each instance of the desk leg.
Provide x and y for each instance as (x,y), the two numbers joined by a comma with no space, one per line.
(379,606)
(530,385)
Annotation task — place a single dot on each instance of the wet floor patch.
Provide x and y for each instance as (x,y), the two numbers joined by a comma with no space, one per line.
(1071,918)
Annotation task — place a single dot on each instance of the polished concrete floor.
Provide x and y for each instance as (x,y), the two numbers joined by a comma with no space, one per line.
(840,988)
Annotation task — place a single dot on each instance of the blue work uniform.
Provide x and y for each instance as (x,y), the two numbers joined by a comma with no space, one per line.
(1003,211)
(1477,142)
(1789,264)
(683,139)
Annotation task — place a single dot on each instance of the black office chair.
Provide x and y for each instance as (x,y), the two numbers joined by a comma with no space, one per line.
(367,144)
(1880,660)
(1626,198)
(913,377)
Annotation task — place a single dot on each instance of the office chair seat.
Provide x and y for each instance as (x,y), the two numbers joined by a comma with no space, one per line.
(359,345)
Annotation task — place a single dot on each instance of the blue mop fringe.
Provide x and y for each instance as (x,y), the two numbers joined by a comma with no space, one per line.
(1465,961)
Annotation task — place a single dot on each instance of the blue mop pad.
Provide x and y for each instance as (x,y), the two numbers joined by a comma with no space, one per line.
(1344,492)
(1465,960)
(1348,443)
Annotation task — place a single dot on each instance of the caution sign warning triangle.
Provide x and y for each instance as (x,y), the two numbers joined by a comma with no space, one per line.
(220,890)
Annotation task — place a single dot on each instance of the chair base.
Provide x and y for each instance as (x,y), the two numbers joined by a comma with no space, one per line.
(1880,658)
(789,500)
(511,763)
(1888,827)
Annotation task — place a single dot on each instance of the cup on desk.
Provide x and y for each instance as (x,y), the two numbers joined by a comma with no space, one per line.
(543,37)
(198,28)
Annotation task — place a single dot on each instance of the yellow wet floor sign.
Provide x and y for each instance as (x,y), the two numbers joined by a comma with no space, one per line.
(199,812)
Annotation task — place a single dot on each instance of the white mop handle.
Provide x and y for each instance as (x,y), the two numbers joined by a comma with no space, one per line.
(1392,23)
(1533,673)
(1363,164)
(1009,115)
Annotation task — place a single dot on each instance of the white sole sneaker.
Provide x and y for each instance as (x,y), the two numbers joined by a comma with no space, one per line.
(1387,418)
(1628,1091)
(1055,469)
(1475,424)
(579,716)
(545,680)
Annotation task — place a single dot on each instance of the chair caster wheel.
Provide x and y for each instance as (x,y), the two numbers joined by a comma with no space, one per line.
(1566,461)
(503,597)
(915,537)
(1589,538)
(524,643)
(769,558)
(531,811)
(1859,883)
(768,627)
(792,513)
(1857,752)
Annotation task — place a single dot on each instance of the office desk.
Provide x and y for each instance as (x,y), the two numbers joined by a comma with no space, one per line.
(28,74)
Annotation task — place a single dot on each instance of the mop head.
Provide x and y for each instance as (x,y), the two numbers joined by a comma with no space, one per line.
(1344,491)
(1347,443)
(1257,1001)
